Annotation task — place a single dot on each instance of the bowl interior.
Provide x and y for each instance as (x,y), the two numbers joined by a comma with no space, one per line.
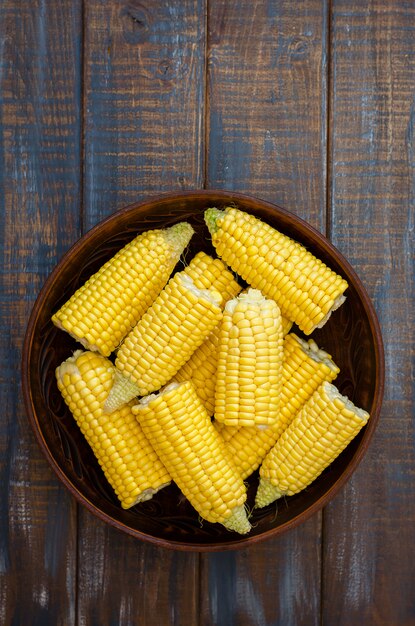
(351,336)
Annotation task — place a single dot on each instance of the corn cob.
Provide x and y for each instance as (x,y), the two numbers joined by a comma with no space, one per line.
(129,462)
(101,312)
(201,370)
(180,430)
(176,324)
(305,367)
(207,273)
(318,434)
(305,289)
(250,355)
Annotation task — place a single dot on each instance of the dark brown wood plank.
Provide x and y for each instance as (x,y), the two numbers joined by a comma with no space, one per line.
(267,102)
(144,101)
(369,569)
(266,136)
(144,121)
(274,582)
(123,581)
(39,201)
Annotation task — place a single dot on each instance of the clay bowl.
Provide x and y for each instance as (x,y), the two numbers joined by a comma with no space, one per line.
(352,336)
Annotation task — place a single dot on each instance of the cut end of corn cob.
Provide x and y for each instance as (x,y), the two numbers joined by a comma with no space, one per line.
(211,295)
(317,354)
(153,397)
(339,300)
(146,495)
(68,367)
(344,403)
(249,296)
(209,273)
(238,521)
(82,340)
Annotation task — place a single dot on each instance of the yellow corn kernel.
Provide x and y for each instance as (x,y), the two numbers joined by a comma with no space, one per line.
(305,367)
(325,425)
(250,355)
(101,312)
(305,289)
(176,324)
(180,430)
(209,273)
(127,459)
(286,325)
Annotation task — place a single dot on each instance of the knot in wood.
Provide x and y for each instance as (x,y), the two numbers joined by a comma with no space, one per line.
(135,22)
(298,46)
(167,69)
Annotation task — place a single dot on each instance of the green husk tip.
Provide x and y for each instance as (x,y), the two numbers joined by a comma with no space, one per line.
(211,217)
(122,391)
(179,235)
(266,494)
(238,521)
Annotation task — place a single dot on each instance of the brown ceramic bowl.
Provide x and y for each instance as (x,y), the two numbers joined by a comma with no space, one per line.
(352,336)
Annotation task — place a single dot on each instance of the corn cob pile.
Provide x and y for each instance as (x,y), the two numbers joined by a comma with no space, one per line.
(189,378)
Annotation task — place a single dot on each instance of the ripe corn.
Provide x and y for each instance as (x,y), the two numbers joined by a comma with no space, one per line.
(180,430)
(207,273)
(286,325)
(101,312)
(250,355)
(305,289)
(129,462)
(201,370)
(305,367)
(176,324)
(318,434)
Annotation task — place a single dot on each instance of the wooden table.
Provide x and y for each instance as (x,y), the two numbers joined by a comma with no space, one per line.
(309,104)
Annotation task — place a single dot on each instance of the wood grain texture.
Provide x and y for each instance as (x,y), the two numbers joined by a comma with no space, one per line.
(39,201)
(370,526)
(123,581)
(144,101)
(275,582)
(296,102)
(267,102)
(266,136)
(144,123)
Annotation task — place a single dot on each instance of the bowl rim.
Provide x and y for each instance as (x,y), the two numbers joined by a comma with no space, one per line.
(244,541)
